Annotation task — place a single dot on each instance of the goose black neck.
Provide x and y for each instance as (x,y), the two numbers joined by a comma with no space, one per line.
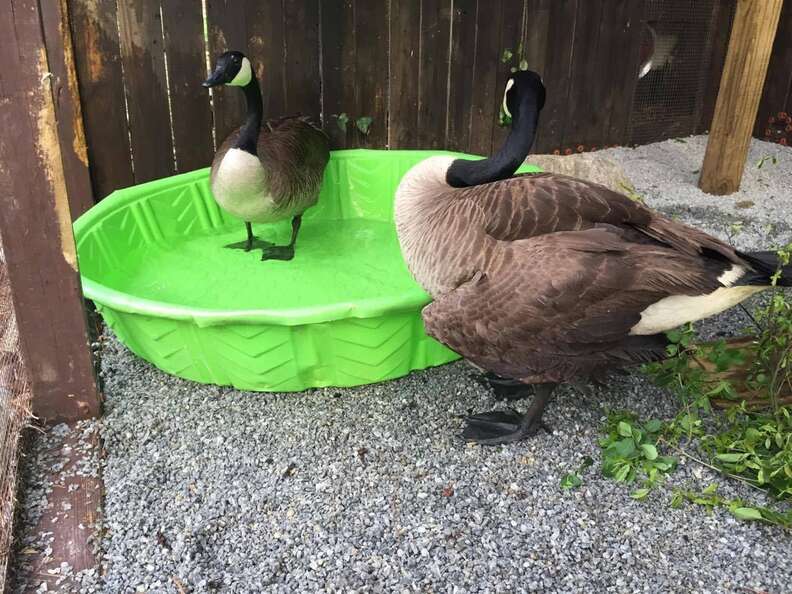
(249,133)
(464,173)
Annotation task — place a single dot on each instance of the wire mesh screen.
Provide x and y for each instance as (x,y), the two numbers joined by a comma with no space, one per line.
(676,56)
(15,398)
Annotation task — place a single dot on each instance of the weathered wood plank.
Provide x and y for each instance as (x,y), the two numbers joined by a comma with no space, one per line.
(486,62)
(463,49)
(98,60)
(560,38)
(36,226)
(66,95)
(190,107)
(583,115)
(405,35)
(537,23)
(720,28)
(301,60)
(338,68)
(777,92)
(435,30)
(751,42)
(371,71)
(266,38)
(143,59)
(226,28)
(511,36)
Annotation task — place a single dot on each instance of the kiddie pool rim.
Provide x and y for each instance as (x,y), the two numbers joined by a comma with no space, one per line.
(202,317)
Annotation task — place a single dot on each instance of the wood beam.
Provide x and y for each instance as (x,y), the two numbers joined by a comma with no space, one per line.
(35,225)
(750,46)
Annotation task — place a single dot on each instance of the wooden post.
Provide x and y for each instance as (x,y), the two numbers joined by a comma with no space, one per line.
(35,225)
(750,45)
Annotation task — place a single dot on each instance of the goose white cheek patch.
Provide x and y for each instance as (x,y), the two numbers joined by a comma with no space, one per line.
(244,75)
(509,85)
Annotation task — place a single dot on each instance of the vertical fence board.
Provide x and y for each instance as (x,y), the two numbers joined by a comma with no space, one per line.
(55,19)
(582,113)
(142,55)
(777,92)
(405,23)
(537,23)
(301,60)
(463,42)
(510,38)
(42,265)
(226,25)
(433,77)
(265,22)
(338,67)
(623,59)
(98,60)
(560,38)
(190,108)
(371,82)
(486,61)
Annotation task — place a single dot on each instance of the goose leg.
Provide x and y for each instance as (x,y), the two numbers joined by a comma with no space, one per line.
(504,388)
(507,426)
(251,241)
(283,252)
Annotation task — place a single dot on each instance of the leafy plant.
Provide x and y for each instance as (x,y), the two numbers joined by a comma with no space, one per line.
(342,119)
(629,451)
(741,510)
(364,124)
(572,480)
(772,158)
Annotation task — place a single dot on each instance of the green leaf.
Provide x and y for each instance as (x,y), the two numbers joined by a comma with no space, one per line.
(649,451)
(625,430)
(341,120)
(731,457)
(746,513)
(676,500)
(674,336)
(523,64)
(571,481)
(364,124)
(653,426)
(623,448)
(507,55)
(622,473)
(640,494)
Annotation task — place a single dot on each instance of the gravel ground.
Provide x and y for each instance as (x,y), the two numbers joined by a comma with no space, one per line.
(370,490)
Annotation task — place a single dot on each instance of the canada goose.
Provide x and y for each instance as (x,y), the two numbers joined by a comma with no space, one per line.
(265,176)
(545,278)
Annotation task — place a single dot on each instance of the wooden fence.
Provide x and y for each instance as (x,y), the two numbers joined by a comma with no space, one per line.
(777,95)
(429,72)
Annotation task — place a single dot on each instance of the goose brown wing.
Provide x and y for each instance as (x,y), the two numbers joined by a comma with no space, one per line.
(562,305)
(531,205)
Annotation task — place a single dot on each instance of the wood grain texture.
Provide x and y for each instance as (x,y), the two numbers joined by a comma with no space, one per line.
(777,92)
(751,42)
(301,59)
(560,39)
(66,96)
(433,62)
(511,36)
(226,27)
(338,68)
(371,71)
(143,59)
(485,66)
(36,226)
(190,108)
(265,31)
(405,53)
(722,13)
(460,92)
(97,57)
(536,24)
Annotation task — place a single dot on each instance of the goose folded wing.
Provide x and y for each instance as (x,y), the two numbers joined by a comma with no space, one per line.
(562,305)
(531,205)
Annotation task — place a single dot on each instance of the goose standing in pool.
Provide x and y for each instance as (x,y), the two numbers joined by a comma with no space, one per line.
(547,279)
(263,176)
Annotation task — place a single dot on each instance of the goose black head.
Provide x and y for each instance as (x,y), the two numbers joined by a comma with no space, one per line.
(524,94)
(232,68)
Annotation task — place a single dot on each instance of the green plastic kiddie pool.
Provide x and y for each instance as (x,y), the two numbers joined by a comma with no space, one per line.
(344,312)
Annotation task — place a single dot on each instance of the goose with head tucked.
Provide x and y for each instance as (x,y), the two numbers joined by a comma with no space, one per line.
(545,279)
(265,175)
